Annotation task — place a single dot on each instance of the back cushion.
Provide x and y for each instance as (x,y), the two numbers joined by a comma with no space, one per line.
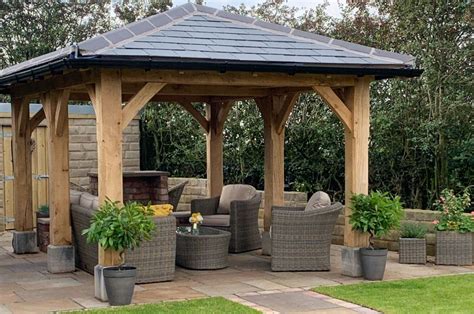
(87,200)
(75,197)
(234,192)
(318,200)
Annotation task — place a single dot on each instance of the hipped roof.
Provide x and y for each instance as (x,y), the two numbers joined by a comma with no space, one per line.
(199,37)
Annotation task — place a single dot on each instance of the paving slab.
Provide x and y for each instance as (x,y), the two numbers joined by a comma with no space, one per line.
(290,302)
(40,307)
(225,289)
(50,283)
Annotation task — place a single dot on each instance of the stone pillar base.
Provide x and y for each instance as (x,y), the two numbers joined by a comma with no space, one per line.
(266,243)
(61,259)
(351,265)
(99,285)
(24,242)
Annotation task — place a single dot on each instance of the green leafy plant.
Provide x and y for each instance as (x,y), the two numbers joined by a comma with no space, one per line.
(413,230)
(452,216)
(376,214)
(44,209)
(119,228)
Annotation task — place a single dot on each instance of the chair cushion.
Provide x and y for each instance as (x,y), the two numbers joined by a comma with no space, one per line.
(75,197)
(216,220)
(182,214)
(318,200)
(234,192)
(87,200)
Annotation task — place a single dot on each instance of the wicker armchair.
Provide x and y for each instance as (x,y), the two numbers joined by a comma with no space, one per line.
(174,194)
(154,259)
(241,222)
(301,240)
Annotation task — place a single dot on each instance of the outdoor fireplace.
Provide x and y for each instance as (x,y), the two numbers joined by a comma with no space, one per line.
(139,186)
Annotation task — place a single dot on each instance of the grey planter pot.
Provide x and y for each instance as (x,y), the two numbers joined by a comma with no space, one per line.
(453,248)
(119,284)
(373,263)
(412,251)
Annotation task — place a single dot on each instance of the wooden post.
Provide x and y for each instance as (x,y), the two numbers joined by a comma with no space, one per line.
(357,101)
(216,114)
(22,184)
(55,107)
(274,175)
(108,111)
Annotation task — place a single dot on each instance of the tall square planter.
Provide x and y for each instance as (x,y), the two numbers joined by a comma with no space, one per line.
(453,248)
(412,251)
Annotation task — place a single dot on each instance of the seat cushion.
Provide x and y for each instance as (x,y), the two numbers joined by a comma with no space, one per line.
(75,197)
(181,214)
(234,192)
(216,220)
(318,200)
(87,200)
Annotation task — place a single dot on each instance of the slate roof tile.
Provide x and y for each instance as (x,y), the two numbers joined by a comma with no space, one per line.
(199,32)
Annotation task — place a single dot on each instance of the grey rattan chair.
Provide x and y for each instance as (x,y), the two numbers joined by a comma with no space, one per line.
(243,222)
(154,259)
(174,194)
(301,240)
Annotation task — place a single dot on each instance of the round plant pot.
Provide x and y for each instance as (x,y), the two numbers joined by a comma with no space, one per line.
(119,284)
(373,263)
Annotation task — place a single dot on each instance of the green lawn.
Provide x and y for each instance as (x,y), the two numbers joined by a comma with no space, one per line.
(204,306)
(448,294)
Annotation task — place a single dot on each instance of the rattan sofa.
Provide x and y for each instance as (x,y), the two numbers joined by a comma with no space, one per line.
(241,221)
(154,259)
(301,239)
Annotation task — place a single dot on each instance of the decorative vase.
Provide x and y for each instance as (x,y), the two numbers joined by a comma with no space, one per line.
(119,284)
(373,263)
(412,251)
(453,248)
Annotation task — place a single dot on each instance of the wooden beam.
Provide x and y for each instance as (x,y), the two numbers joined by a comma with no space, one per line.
(247,79)
(109,145)
(196,115)
(274,176)
(285,111)
(91,93)
(53,83)
(137,102)
(61,120)
(22,184)
(336,104)
(37,118)
(56,111)
(356,155)
(216,114)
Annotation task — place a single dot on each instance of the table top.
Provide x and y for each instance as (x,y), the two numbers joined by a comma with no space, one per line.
(201,231)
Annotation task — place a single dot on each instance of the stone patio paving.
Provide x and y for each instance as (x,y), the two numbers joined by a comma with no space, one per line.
(26,286)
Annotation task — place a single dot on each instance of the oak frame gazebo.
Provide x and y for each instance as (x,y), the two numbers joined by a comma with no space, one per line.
(189,54)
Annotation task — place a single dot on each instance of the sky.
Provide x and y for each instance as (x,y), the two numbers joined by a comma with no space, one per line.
(333,8)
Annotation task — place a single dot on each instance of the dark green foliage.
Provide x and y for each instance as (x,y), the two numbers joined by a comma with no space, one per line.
(413,230)
(119,227)
(376,214)
(44,209)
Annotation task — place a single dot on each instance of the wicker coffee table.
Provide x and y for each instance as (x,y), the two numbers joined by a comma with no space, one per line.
(208,249)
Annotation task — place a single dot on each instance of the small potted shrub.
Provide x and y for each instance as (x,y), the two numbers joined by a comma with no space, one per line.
(119,228)
(412,244)
(43,211)
(376,214)
(453,229)
(42,227)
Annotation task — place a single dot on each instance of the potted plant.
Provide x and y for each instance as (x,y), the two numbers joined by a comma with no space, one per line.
(119,228)
(412,248)
(376,214)
(43,211)
(453,229)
